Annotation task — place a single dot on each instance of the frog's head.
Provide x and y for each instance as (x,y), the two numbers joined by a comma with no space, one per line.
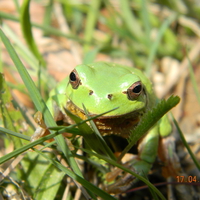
(104,86)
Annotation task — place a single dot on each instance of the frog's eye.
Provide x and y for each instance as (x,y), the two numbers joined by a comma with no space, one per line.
(135,90)
(74,79)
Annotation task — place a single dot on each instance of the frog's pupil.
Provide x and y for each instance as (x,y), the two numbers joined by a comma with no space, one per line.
(137,89)
(72,76)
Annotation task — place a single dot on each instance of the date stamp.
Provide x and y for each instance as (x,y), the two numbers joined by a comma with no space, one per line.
(187,179)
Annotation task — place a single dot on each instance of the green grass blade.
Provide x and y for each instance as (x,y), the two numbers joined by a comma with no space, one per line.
(69,129)
(17,5)
(38,101)
(1,60)
(79,179)
(90,56)
(149,119)
(32,144)
(186,144)
(98,140)
(155,45)
(47,14)
(19,135)
(10,116)
(27,32)
(113,162)
(24,148)
(42,178)
(92,137)
(20,48)
(91,22)
(35,95)
(146,21)
(47,29)
(130,20)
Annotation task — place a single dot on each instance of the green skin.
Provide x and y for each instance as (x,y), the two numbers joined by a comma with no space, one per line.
(103,86)
(103,79)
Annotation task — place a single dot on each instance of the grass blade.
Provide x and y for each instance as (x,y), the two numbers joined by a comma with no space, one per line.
(186,144)
(155,44)
(91,22)
(27,32)
(39,102)
(113,162)
(149,119)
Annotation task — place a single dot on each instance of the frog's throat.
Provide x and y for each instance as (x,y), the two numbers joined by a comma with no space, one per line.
(119,125)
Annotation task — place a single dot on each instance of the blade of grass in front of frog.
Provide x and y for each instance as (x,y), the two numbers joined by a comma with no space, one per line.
(13,133)
(25,147)
(153,193)
(35,95)
(40,104)
(63,129)
(91,139)
(148,120)
(186,144)
(115,163)
(98,138)
(96,190)
(71,128)
(30,145)
(79,123)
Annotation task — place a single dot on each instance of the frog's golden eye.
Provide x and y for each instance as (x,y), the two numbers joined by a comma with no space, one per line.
(74,79)
(135,90)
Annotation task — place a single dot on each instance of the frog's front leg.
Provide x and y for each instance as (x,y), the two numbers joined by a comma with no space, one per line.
(141,164)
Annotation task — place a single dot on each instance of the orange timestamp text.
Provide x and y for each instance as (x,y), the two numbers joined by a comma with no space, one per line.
(187,179)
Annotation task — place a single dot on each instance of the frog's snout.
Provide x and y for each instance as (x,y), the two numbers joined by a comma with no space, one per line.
(109,96)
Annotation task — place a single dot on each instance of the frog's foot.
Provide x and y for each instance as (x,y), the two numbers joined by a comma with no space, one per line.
(122,183)
(40,132)
(120,180)
(140,164)
(167,155)
(41,129)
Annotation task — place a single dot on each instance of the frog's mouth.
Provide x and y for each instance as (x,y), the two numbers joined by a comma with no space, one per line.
(119,124)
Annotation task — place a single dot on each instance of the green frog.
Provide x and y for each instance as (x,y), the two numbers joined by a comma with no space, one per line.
(101,87)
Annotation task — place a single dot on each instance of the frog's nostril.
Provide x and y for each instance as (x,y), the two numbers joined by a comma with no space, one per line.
(110,96)
(91,92)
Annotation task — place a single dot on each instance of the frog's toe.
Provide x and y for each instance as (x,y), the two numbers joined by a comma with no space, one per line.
(122,183)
